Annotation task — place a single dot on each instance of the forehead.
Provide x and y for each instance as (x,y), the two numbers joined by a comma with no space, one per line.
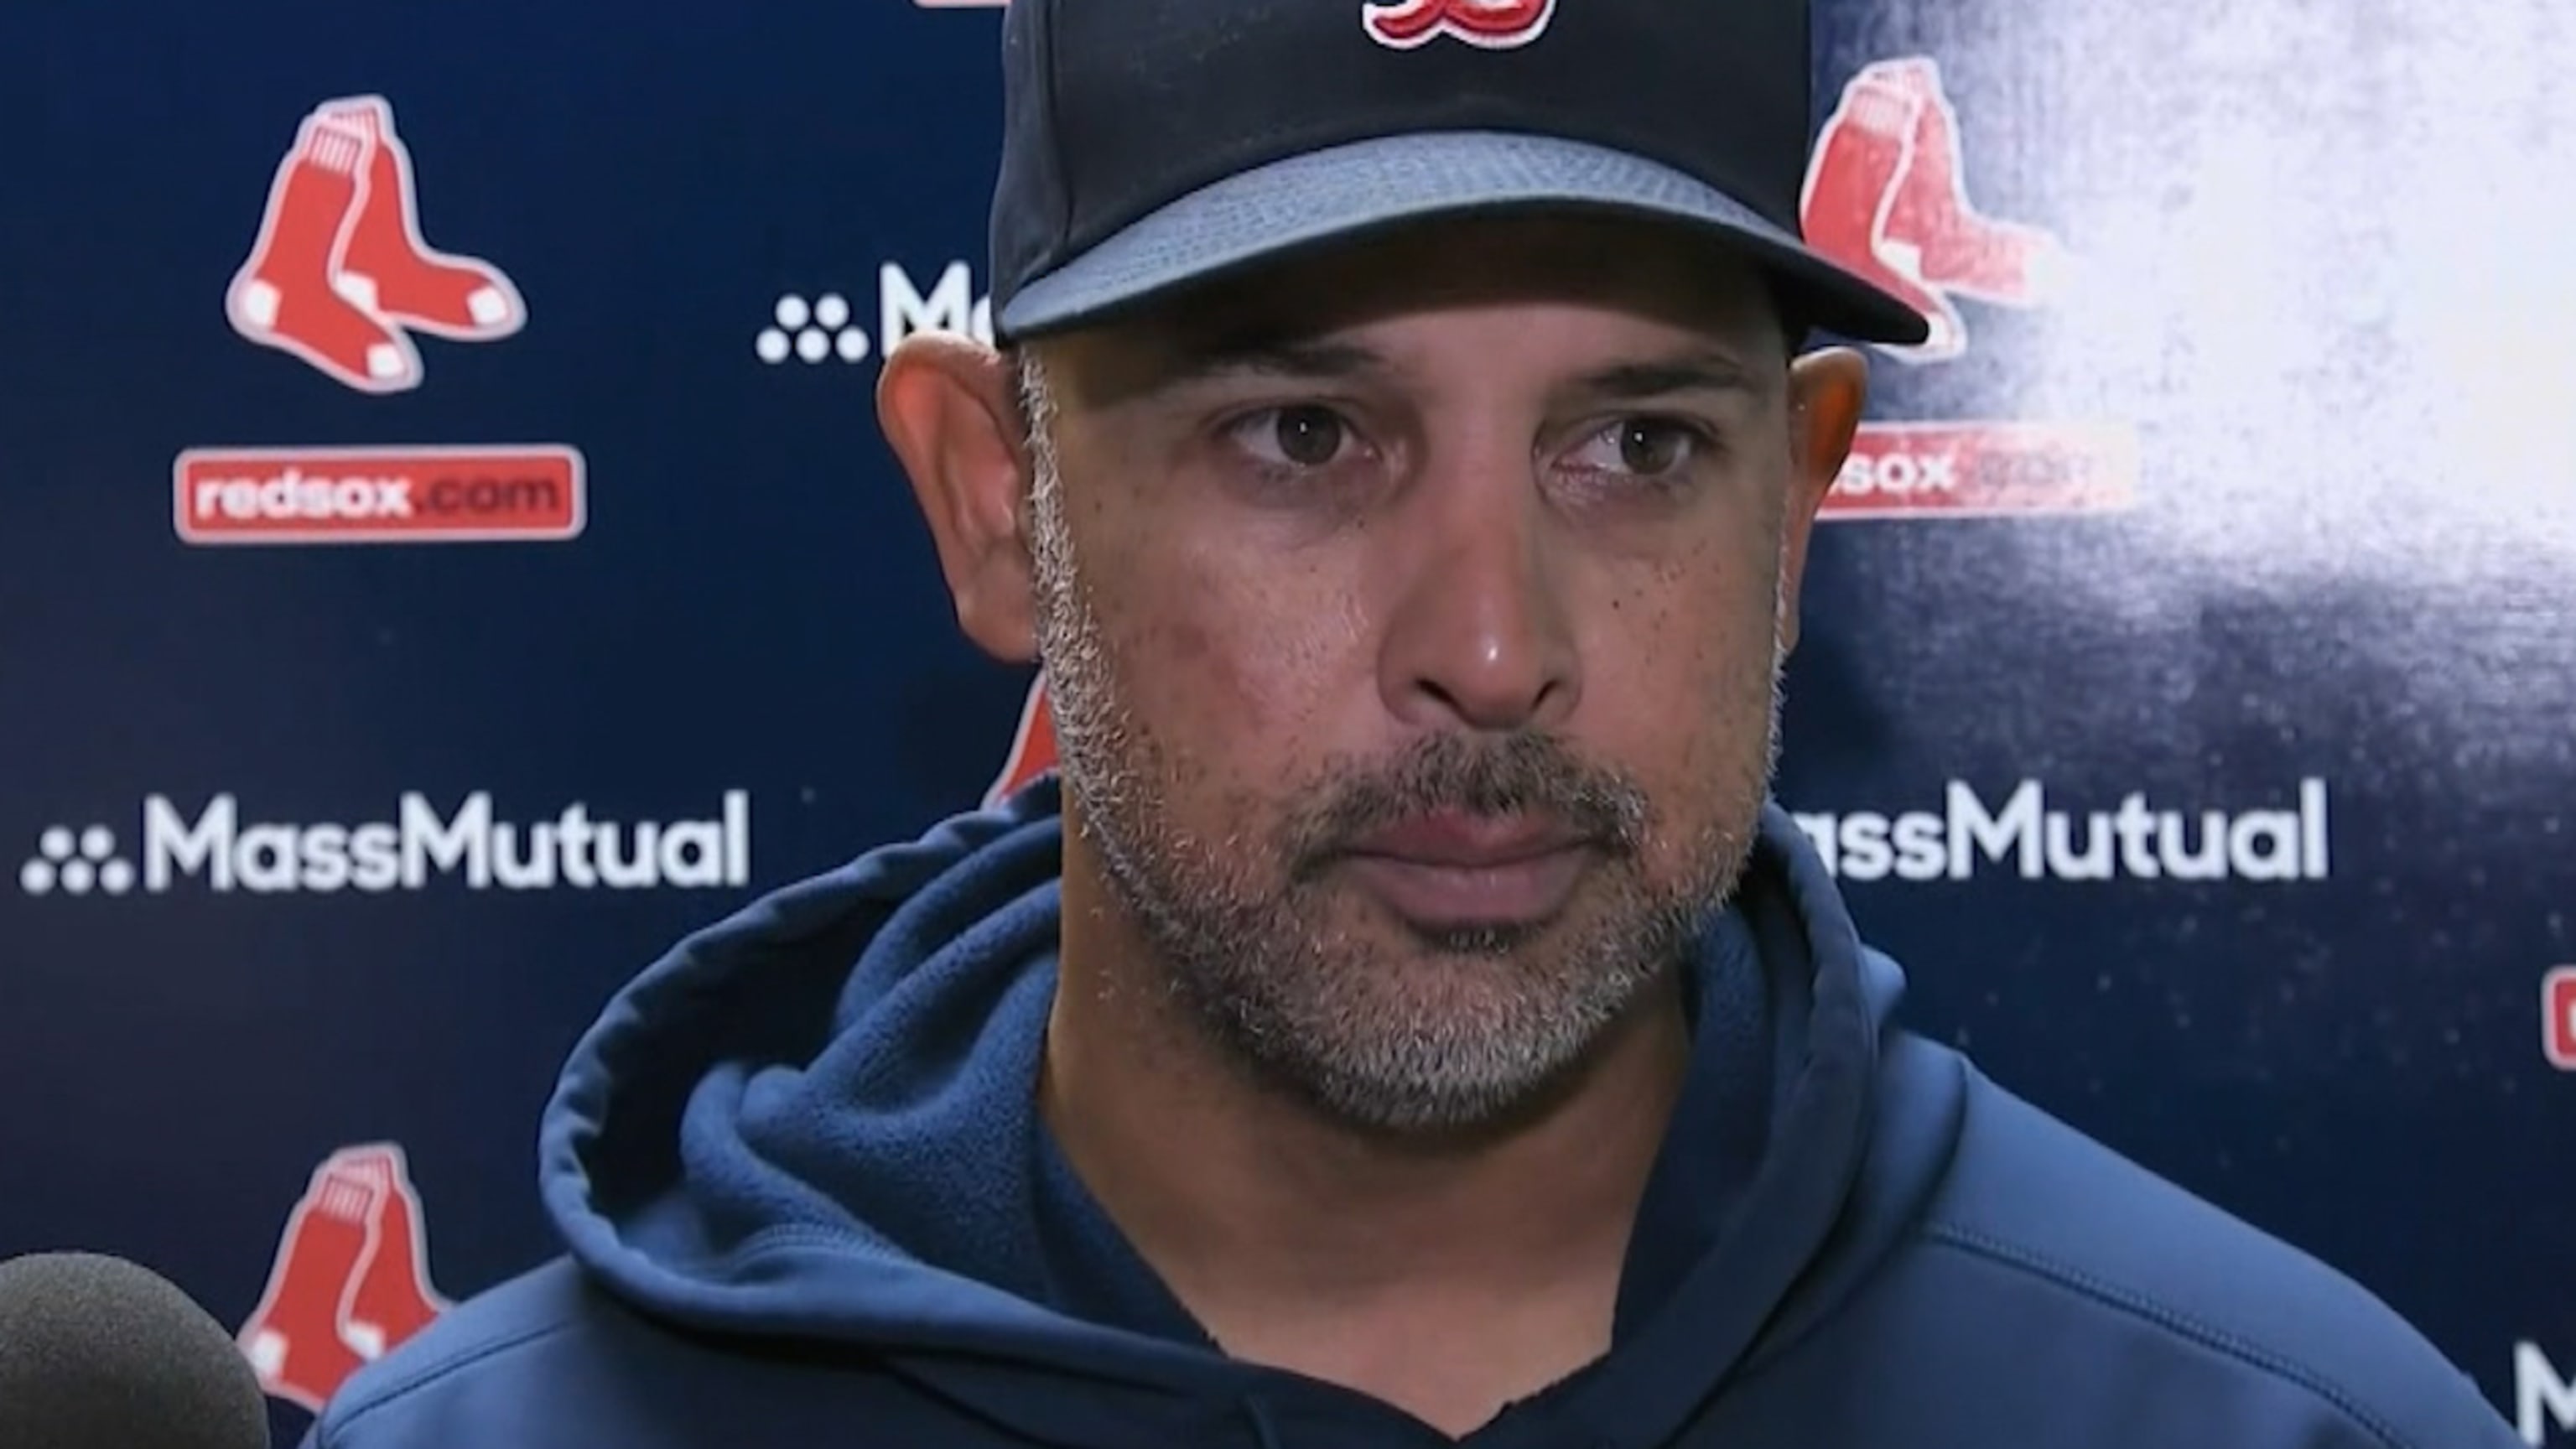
(1649,281)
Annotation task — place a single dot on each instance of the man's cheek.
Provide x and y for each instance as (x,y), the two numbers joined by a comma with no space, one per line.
(1249,633)
(1186,679)
(1181,645)
(1685,727)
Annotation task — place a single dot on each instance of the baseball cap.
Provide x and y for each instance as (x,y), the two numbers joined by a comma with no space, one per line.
(1153,145)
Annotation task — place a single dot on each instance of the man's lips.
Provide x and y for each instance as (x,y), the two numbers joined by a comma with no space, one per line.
(1468,842)
(1454,871)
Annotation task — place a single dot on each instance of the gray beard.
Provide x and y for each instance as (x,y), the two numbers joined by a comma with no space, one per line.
(1430,1034)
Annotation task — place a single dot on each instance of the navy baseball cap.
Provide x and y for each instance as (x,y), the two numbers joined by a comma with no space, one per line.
(1151,145)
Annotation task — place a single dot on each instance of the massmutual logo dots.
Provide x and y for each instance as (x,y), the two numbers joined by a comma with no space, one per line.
(812,333)
(827,328)
(76,863)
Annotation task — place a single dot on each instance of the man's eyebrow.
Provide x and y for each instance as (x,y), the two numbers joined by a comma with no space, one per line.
(1218,360)
(1319,360)
(1694,372)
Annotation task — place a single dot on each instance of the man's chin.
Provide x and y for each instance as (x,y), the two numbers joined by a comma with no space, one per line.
(1455,986)
(1442,1051)
(1394,1028)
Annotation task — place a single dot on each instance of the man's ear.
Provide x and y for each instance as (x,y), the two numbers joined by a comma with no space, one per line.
(1827,391)
(950,410)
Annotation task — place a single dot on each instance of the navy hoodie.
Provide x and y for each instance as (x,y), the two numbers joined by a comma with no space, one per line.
(808,1201)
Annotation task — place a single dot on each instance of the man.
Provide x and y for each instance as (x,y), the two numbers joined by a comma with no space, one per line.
(1409,1021)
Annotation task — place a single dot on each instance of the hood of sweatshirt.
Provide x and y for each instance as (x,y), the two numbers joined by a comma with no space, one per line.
(816,1121)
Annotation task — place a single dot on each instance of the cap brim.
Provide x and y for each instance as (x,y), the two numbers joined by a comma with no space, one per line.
(1333,195)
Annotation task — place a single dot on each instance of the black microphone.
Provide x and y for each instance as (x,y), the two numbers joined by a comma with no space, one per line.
(97,1353)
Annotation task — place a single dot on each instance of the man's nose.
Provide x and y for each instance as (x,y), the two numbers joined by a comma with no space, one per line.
(1479,635)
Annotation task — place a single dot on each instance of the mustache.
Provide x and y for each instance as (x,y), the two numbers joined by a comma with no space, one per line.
(1520,774)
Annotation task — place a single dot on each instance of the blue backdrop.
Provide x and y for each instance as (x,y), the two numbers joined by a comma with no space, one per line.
(447,554)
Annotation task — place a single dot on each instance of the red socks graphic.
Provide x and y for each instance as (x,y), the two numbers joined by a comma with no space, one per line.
(284,297)
(340,274)
(388,269)
(349,1282)
(1885,198)
(391,1298)
(293,1338)
(1959,250)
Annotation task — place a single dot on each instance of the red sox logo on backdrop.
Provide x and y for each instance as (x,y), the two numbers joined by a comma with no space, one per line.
(340,275)
(1886,196)
(341,279)
(350,1281)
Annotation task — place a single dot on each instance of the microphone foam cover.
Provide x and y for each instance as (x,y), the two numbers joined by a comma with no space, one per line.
(98,1353)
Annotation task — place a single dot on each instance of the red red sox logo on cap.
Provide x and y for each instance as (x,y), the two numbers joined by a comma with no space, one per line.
(1491,24)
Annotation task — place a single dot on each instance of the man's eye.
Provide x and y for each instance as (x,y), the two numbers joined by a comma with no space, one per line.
(1646,447)
(1293,437)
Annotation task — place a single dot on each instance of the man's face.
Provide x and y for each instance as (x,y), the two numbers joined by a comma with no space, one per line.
(1411,622)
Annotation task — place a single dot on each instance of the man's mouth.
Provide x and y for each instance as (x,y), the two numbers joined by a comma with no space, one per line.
(1452,871)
